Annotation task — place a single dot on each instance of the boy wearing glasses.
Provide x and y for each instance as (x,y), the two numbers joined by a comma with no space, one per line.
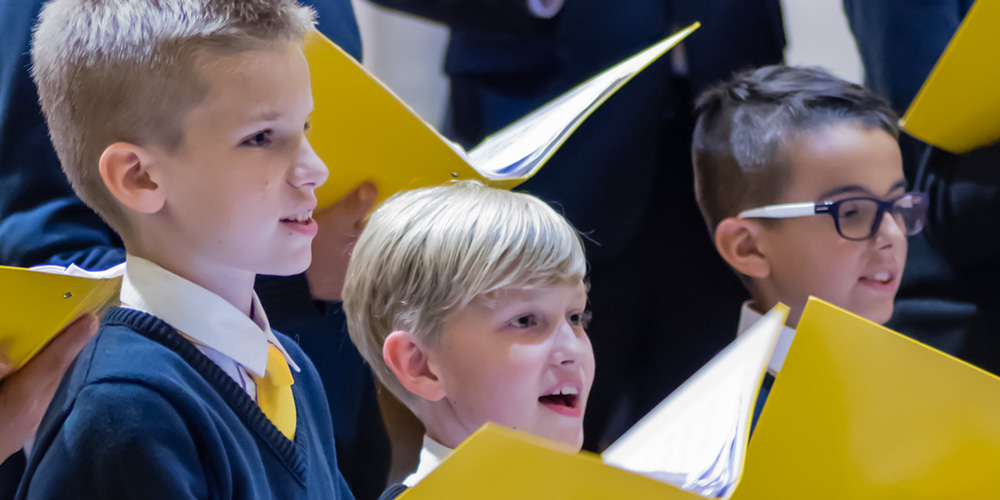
(799,177)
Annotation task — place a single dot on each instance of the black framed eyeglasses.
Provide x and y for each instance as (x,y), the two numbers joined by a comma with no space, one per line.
(857,218)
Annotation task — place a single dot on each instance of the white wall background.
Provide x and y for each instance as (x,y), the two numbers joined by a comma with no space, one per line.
(406,52)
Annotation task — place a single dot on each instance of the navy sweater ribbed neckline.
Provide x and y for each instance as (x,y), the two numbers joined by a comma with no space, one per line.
(291,454)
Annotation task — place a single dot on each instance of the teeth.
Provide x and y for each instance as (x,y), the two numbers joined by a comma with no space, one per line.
(303,217)
(882,277)
(566,391)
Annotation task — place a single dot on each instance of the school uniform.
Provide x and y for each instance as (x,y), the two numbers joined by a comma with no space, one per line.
(748,316)
(432,453)
(163,404)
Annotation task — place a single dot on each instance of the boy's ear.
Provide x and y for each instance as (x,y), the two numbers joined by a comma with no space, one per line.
(409,362)
(737,241)
(125,171)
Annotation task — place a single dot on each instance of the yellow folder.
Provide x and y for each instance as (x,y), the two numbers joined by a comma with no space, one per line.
(500,464)
(364,132)
(35,306)
(958,107)
(861,412)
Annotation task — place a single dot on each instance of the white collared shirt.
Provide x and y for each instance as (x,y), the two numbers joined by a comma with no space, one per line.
(749,316)
(431,455)
(223,333)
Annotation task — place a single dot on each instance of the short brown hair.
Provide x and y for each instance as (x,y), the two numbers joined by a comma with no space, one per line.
(743,123)
(126,70)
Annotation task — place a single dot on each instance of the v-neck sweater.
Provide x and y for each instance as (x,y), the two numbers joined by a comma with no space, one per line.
(143,414)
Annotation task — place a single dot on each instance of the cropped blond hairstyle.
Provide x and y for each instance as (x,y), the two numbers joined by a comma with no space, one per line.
(429,252)
(127,70)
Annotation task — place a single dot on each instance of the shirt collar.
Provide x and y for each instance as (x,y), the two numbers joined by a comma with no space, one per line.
(431,455)
(200,315)
(748,316)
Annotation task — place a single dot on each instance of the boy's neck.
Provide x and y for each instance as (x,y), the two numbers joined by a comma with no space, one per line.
(762,305)
(233,285)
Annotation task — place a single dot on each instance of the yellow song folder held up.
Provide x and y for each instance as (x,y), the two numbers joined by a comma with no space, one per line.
(364,132)
(35,306)
(500,464)
(861,412)
(958,106)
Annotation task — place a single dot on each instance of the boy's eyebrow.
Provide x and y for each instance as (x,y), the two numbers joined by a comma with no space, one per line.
(857,189)
(266,115)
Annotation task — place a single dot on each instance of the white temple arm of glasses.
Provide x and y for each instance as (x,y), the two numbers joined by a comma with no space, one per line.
(783,211)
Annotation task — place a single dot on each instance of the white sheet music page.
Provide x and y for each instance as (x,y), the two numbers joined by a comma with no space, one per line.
(525,145)
(696,438)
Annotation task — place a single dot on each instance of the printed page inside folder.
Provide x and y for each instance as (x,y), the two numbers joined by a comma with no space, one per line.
(696,439)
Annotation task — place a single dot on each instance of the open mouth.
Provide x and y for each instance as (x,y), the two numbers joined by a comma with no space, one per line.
(302,223)
(564,400)
(881,280)
(303,219)
(297,221)
(567,400)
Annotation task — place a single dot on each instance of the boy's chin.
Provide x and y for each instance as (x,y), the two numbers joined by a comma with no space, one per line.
(567,441)
(290,267)
(876,313)
(881,317)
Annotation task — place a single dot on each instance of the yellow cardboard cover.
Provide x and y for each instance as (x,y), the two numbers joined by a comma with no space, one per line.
(500,464)
(861,412)
(35,306)
(365,132)
(958,107)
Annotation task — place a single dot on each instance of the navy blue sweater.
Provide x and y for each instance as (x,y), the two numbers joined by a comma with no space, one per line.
(143,414)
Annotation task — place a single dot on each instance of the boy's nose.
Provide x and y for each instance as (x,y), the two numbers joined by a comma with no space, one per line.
(569,345)
(890,232)
(309,171)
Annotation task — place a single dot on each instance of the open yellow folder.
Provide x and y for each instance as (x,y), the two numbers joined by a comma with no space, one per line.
(363,132)
(35,306)
(500,464)
(958,107)
(861,412)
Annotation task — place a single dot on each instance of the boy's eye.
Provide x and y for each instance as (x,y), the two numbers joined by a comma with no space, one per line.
(580,319)
(260,139)
(849,210)
(526,321)
(306,127)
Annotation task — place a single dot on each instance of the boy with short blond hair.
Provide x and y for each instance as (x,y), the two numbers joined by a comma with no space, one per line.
(470,305)
(182,124)
(800,180)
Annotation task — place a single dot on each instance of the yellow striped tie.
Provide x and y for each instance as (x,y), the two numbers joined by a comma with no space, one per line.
(274,392)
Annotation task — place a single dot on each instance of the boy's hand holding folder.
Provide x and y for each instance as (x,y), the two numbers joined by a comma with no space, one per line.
(25,394)
(340,225)
(47,314)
